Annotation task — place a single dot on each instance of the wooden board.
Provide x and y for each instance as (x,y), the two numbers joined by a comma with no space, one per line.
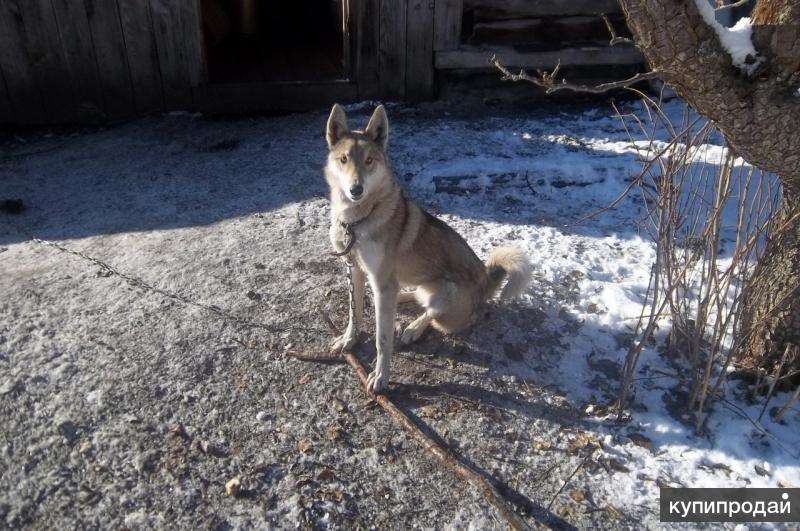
(6,110)
(140,48)
(419,50)
(447,24)
(48,63)
(230,98)
(539,8)
(392,62)
(193,42)
(76,39)
(367,47)
(22,88)
(172,59)
(112,58)
(477,57)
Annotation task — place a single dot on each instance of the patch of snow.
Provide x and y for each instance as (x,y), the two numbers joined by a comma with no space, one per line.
(736,40)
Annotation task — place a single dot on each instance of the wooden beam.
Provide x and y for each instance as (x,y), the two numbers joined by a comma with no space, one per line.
(23,89)
(6,110)
(231,98)
(76,38)
(48,63)
(542,8)
(172,59)
(477,57)
(392,67)
(447,24)
(112,59)
(419,50)
(140,48)
(367,58)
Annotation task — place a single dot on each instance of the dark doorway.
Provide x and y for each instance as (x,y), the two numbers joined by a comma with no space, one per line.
(275,40)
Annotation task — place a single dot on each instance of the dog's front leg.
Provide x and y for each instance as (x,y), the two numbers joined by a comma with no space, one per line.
(385,309)
(347,340)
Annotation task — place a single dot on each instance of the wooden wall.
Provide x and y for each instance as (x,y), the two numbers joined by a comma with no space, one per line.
(97,61)
(395,46)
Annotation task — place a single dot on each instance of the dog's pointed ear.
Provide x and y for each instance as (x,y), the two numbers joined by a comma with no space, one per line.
(378,126)
(337,125)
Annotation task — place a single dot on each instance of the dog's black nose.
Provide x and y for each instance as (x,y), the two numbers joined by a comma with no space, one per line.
(356,190)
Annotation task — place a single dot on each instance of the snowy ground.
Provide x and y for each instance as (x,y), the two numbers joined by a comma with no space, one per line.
(124,407)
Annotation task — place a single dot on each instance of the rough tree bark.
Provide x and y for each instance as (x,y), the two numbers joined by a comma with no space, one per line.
(760,118)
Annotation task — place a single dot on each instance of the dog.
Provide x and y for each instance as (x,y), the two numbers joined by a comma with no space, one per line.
(392,243)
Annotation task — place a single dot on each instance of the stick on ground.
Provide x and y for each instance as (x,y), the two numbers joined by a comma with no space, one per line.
(466,473)
(441,453)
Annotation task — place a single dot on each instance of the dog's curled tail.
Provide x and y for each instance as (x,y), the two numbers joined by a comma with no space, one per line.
(507,263)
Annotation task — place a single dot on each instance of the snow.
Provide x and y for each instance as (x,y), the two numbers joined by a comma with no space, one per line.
(214,222)
(736,40)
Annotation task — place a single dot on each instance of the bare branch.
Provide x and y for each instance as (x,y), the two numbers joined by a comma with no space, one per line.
(721,5)
(550,83)
(433,444)
(444,455)
(615,39)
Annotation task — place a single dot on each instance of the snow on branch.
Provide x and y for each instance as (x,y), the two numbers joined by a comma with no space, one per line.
(737,40)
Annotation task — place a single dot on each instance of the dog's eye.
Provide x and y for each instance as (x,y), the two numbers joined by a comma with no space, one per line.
(368,161)
(343,159)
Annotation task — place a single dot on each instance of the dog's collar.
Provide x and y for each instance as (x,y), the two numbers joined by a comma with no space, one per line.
(350,234)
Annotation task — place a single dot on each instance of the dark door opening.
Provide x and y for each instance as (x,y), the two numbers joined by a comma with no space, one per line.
(275,40)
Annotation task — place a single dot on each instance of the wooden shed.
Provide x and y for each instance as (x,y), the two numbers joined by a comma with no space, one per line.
(99,61)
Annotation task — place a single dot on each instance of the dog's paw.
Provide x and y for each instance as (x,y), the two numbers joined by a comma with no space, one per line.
(411,334)
(376,382)
(343,343)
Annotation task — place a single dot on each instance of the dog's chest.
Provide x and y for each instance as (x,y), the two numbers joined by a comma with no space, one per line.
(370,255)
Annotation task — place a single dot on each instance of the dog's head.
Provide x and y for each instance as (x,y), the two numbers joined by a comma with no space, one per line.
(357,162)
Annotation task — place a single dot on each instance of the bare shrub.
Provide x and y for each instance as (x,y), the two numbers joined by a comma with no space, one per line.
(708,213)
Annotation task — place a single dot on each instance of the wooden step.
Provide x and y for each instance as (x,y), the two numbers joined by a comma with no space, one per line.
(472,57)
(544,8)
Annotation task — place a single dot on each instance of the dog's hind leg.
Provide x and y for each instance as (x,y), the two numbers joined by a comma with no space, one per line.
(347,340)
(417,327)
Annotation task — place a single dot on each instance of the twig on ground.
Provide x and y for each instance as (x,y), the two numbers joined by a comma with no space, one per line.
(580,465)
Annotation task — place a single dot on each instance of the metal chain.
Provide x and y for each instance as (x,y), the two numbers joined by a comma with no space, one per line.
(139,283)
(351,289)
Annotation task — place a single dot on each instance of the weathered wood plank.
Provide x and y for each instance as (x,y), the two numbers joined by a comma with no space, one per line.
(540,8)
(76,39)
(23,89)
(172,59)
(140,48)
(229,98)
(112,59)
(392,67)
(6,110)
(447,24)
(548,31)
(477,57)
(48,63)
(194,42)
(419,50)
(367,58)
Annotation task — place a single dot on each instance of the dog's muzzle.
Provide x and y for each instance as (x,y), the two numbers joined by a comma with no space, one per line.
(356,190)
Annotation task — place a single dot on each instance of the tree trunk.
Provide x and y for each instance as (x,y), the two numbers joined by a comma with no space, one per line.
(771,314)
(760,118)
